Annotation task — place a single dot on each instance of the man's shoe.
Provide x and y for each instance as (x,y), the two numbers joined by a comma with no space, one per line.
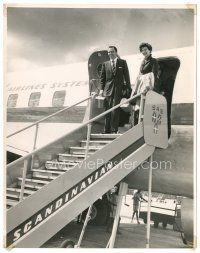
(106,132)
(114,132)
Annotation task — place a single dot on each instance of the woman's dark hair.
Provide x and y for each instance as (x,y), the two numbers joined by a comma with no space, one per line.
(145,45)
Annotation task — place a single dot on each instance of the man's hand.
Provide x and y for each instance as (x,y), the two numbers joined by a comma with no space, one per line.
(93,94)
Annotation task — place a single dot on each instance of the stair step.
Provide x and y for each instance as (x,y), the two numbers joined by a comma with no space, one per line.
(77,153)
(71,157)
(51,174)
(37,176)
(28,192)
(125,128)
(104,136)
(48,171)
(11,202)
(61,166)
(12,196)
(82,150)
(44,174)
(32,186)
(33,182)
(96,143)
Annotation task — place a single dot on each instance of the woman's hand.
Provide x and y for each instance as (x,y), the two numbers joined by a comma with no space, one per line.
(146,90)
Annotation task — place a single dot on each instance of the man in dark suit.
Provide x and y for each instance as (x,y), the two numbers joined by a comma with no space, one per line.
(114,75)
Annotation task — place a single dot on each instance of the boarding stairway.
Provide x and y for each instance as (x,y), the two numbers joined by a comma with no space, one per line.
(53,169)
(49,187)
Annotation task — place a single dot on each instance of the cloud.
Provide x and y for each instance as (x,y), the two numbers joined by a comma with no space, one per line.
(16,46)
(21,64)
(72,58)
(56,36)
(94,48)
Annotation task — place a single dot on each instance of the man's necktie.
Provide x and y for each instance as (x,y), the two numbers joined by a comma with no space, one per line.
(113,66)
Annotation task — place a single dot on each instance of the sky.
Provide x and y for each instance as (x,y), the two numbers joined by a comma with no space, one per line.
(41,37)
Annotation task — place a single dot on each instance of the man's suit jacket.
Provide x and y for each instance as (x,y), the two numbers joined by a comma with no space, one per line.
(111,83)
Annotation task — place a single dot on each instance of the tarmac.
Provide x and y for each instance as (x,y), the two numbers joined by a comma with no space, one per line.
(131,235)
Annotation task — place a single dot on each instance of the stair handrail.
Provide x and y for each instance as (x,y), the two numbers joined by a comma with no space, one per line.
(49,116)
(79,127)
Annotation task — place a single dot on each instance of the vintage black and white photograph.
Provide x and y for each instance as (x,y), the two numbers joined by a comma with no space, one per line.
(100,126)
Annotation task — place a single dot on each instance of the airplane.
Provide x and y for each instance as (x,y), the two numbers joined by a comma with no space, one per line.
(35,94)
(60,86)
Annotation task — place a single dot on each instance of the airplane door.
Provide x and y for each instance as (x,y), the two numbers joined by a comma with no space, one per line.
(95,62)
(168,68)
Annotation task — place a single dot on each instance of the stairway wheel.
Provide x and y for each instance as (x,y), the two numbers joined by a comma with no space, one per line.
(68,243)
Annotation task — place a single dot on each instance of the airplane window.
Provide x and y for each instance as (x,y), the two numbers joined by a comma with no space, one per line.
(34,99)
(12,100)
(58,98)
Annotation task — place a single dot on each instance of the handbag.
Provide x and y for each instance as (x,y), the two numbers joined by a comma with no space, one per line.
(100,101)
(126,91)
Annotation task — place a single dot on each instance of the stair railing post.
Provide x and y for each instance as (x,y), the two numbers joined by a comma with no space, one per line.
(89,126)
(149,202)
(122,192)
(84,227)
(34,143)
(141,111)
(36,135)
(88,140)
(21,196)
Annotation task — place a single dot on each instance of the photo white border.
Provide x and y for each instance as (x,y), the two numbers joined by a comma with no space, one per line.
(98,4)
